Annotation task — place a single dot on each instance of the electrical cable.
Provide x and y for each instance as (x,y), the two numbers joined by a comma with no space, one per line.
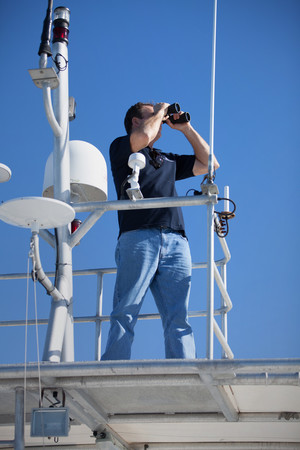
(37,341)
(46,33)
(32,256)
(58,64)
(57,257)
(26,338)
(122,194)
(221,224)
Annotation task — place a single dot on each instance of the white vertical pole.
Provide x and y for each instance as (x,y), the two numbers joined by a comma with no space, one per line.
(226,195)
(224,278)
(98,314)
(210,283)
(19,419)
(212,97)
(210,208)
(59,344)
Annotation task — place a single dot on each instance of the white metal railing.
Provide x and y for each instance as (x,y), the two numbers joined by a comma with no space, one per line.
(219,276)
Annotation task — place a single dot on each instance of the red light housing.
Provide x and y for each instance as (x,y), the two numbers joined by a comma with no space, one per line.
(61,24)
(75,225)
(60,34)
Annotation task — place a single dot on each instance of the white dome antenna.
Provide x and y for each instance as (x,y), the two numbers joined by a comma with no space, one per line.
(88,174)
(36,213)
(5,173)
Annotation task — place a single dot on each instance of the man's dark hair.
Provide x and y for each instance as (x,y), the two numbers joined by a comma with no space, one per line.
(134,111)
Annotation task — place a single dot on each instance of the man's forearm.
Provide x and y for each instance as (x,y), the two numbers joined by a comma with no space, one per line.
(201,150)
(146,131)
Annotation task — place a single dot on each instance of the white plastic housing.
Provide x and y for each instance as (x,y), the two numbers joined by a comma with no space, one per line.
(88,174)
(5,173)
(36,212)
(137,159)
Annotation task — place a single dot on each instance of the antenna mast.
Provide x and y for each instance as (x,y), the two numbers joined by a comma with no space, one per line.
(59,345)
(210,207)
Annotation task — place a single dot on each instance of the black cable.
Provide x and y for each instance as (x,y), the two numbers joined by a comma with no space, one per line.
(231,201)
(222,227)
(195,192)
(58,64)
(122,194)
(46,33)
(57,257)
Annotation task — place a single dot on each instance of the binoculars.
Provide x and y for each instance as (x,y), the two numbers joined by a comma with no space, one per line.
(174,109)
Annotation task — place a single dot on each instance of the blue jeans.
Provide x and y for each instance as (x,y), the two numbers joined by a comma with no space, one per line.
(159,259)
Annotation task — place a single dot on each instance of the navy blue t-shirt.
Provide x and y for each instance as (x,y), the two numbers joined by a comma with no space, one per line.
(154,182)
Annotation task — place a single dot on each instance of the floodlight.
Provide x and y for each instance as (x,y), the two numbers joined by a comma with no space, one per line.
(48,422)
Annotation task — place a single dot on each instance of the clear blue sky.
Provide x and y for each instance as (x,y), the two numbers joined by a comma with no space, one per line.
(121,52)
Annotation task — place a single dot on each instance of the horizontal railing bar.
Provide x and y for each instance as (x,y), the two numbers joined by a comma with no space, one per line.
(84,272)
(89,319)
(145,203)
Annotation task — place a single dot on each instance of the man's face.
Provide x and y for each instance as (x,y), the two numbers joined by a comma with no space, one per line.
(147,112)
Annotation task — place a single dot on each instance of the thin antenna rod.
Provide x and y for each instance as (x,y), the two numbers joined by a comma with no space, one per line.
(212,98)
(210,209)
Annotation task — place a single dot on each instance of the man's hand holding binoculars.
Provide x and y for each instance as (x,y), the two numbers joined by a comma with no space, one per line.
(174,116)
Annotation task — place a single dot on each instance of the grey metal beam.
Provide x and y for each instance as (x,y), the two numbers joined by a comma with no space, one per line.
(19,419)
(87,411)
(219,395)
(146,203)
(196,446)
(198,418)
(219,368)
(87,404)
(222,446)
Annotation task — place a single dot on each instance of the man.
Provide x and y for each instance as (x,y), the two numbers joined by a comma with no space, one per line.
(152,249)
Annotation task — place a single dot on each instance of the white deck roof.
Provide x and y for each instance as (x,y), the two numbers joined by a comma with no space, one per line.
(165,404)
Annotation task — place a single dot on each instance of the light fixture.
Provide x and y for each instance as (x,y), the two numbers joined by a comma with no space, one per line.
(50,422)
(136,162)
(61,25)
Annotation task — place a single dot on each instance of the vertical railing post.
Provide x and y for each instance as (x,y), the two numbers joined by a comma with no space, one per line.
(99,314)
(224,279)
(210,283)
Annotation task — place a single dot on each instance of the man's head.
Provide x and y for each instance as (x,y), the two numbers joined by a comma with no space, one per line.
(134,111)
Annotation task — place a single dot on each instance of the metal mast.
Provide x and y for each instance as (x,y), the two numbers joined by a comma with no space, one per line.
(59,345)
